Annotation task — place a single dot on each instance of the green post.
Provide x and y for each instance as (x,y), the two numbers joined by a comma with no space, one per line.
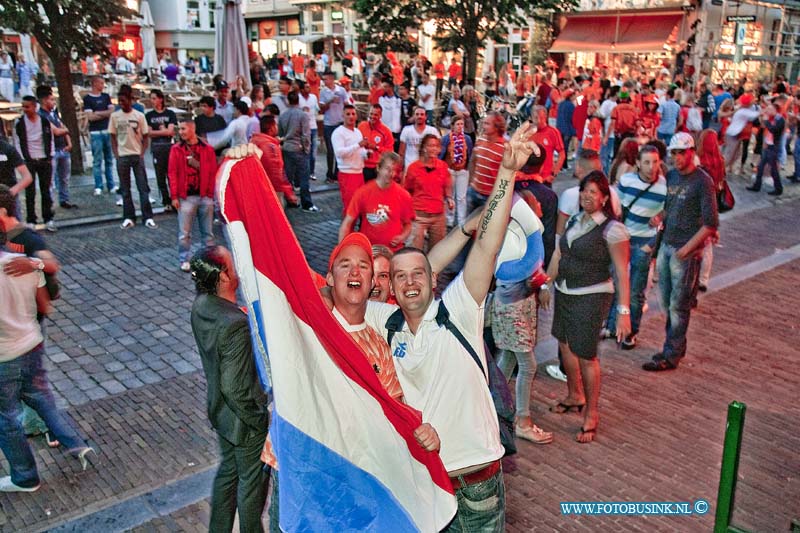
(730,466)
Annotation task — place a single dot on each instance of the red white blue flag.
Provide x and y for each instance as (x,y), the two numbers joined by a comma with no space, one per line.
(347,457)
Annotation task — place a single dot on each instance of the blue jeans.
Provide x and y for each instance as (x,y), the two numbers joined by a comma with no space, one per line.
(62,165)
(666,137)
(203,210)
(639,272)
(102,155)
(135,163)
(796,154)
(312,157)
(527,371)
(677,286)
(25,379)
(606,154)
(295,165)
(769,156)
(481,507)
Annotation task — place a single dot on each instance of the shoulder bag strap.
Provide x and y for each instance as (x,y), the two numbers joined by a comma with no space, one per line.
(443,319)
(635,199)
(394,324)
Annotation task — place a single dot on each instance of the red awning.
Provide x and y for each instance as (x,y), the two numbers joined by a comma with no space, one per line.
(616,33)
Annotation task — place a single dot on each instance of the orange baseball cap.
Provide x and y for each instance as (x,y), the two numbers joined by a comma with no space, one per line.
(351,239)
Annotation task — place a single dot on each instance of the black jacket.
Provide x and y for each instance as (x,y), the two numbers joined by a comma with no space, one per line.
(237,406)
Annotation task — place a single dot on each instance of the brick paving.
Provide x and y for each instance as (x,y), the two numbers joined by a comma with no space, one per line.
(122,359)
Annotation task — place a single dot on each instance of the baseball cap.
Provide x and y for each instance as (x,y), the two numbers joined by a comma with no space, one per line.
(351,239)
(681,141)
(746,100)
(246,100)
(222,84)
(345,79)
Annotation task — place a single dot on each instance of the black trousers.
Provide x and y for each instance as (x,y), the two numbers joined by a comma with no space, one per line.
(160,162)
(43,170)
(241,482)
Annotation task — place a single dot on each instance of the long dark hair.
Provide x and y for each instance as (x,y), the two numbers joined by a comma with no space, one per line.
(601,181)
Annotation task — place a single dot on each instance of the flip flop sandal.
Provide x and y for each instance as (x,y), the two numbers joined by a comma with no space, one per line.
(53,443)
(562,408)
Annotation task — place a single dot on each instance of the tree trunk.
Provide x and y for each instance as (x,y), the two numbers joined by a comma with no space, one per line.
(68,108)
(470,62)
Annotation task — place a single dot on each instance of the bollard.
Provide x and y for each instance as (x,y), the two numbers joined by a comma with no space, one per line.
(730,467)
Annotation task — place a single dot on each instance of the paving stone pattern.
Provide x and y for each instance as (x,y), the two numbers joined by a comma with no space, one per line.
(144,437)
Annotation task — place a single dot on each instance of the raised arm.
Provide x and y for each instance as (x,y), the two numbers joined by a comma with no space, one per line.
(479,267)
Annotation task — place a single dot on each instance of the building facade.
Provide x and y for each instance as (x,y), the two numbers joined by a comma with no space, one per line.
(185,28)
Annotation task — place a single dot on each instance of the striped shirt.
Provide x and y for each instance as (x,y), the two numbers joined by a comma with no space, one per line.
(487,156)
(646,207)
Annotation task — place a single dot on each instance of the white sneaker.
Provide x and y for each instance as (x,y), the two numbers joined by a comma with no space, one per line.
(119,200)
(51,227)
(534,433)
(312,209)
(6,485)
(185,266)
(98,192)
(114,190)
(127,224)
(151,199)
(150,223)
(554,372)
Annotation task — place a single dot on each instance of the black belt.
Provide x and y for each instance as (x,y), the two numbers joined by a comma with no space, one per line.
(38,160)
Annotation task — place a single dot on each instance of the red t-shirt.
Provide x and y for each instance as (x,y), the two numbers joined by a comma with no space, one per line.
(383,212)
(454,71)
(428,186)
(625,117)
(381,136)
(550,139)
(438,69)
(487,156)
(375,94)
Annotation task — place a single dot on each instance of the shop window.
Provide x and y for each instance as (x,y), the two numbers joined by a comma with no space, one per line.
(212,8)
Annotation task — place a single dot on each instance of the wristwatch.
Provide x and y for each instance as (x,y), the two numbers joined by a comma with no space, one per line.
(623,310)
(38,264)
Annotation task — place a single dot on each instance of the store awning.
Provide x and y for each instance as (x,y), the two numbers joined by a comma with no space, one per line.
(616,33)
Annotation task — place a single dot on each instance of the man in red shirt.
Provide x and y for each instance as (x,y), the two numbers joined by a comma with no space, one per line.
(485,162)
(383,206)
(272,158)
(191,171)
(430,185)
(548,138)
(380,140)
(453,73)
(438,70)
(375,88)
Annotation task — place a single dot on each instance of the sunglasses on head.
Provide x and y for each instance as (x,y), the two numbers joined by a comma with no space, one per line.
(680,151)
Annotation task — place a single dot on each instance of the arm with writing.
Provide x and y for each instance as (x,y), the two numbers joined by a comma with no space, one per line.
(479,266)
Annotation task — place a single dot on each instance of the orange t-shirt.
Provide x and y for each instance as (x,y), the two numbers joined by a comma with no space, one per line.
(381,136)
(454,71)
(313,80)
(383,212)
(555,98)
(428,186)
(397,74)
(297,63)
(438,69)
(375,93)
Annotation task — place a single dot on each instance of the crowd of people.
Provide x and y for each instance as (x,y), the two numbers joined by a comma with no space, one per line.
(650,158)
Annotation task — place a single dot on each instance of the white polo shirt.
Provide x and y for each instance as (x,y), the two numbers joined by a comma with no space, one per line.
(440,378)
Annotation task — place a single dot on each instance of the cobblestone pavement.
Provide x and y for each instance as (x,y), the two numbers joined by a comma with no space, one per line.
(123,363)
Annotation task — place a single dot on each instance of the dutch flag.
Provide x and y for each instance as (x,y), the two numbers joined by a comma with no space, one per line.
(347,457)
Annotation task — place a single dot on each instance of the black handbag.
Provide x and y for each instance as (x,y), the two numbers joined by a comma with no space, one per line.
(725,199)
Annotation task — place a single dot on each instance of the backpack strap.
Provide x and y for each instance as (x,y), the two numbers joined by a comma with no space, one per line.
(394,324)
(443,319)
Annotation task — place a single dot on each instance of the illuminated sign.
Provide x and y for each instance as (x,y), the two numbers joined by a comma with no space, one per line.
(337,15)
(126,45)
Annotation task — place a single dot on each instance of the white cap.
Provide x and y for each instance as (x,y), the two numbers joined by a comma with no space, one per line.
(681,141)
(246,100)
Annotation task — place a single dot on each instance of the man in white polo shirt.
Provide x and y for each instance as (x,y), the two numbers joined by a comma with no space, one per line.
(350,148)
(438,374)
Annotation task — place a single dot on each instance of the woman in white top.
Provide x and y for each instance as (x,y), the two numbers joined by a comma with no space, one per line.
(581,267)
(6,76)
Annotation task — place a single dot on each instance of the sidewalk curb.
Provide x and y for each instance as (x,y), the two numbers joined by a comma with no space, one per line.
(137,510)
(113,217)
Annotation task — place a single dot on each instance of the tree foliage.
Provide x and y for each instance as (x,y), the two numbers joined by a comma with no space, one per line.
(61,26)
(462,25)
